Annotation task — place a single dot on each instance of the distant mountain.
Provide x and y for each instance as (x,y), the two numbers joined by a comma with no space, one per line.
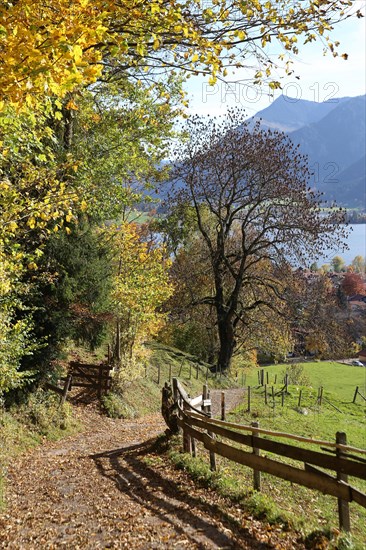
(288,114)
(333,135)
(350,187)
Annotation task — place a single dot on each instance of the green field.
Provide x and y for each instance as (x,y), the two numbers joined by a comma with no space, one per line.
(335,377)
(310,510)
(280,501)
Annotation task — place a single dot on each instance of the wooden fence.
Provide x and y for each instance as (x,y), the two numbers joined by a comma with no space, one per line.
(94,378)
(193,417)
(61,391)
(90,376)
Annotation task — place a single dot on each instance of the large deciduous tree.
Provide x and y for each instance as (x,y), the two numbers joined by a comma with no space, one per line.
(254,212)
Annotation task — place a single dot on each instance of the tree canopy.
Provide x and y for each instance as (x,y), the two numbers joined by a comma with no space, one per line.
(50,48)
(254,213)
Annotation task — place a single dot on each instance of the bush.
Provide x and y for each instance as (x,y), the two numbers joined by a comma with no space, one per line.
(296,375)
(44,414)
(116,407)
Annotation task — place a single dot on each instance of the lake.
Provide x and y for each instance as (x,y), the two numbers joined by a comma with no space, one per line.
(356,242)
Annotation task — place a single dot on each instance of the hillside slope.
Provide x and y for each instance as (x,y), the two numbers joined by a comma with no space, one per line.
(333,135)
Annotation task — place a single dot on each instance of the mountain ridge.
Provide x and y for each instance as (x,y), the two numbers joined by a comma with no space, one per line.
(332,135)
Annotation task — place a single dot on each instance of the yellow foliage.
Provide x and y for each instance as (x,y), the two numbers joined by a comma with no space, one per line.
(141,286)
(49,48)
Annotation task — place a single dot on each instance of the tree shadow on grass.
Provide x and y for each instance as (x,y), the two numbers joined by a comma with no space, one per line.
(171,502)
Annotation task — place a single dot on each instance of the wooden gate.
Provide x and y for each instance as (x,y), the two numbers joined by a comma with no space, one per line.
(97,378)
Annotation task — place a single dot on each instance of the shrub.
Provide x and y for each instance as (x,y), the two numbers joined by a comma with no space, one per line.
(116,407)
(296,375)
(44,414)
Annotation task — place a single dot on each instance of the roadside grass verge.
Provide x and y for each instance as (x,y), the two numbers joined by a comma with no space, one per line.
(313,514)
(311,509)
(233,482)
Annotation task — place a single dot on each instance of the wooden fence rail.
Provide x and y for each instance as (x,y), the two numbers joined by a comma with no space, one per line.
(91,376)
(340,458)
(61,391)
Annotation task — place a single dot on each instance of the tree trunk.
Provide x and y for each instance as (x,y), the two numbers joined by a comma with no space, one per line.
(227,343)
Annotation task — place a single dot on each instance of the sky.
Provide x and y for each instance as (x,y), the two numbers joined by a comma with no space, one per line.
(321,77)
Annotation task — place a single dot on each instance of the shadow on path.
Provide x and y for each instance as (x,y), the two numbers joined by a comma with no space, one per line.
(170,502)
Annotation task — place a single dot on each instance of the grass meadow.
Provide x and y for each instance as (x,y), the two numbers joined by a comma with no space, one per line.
(280,501)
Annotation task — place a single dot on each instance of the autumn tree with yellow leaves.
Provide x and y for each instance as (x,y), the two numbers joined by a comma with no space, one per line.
(50,48)
(141,286)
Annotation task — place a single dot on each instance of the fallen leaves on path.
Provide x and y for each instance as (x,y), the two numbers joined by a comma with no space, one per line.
(109,488)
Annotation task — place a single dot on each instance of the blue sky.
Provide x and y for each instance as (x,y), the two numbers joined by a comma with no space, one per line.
(321,77)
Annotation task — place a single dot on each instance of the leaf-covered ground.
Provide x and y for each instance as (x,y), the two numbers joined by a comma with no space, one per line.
(109,488)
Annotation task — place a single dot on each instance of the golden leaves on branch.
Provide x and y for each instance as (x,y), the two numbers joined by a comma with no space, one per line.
(52,47)
(141,284)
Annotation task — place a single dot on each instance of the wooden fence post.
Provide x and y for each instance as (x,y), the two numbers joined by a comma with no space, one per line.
(187,442)
(320,396)
(256,473)
(354,397)
(175,390)
(193,447)
(265,394)
(343,505)
(204,396)
(108,380)
(212,454)
(223,416)
(100,381)
(299,401)
(267,377)
(275,379)
(67,386)
(207,408)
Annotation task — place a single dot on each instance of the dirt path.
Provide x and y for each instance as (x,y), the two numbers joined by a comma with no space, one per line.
(109,488)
